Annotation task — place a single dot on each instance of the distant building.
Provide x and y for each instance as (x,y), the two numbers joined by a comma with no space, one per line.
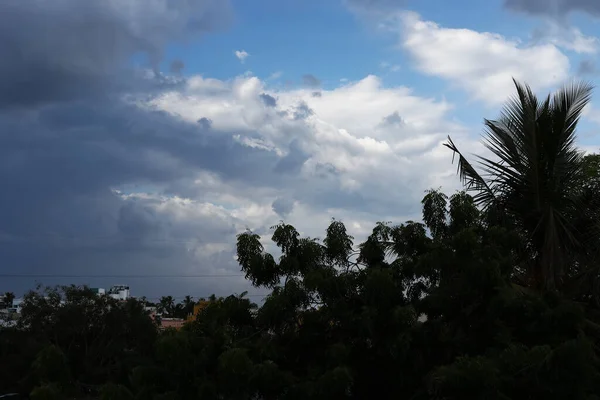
(175,323)
(98,291)
(119,292)
(10,315)
(150,310)
(164,323)
(17,305)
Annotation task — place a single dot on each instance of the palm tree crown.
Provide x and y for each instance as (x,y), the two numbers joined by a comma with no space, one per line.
(529,183)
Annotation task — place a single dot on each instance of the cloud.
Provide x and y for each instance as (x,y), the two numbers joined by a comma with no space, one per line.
(177,66)
(88,153)
(375,6)
(389,67)
(71,132)
(481,63)
(568,38)
(241,55)
(302,110)
(129,172)
(205,123)
(553,8)
(335,151)
(269,100)
(392,119)
(587,67)
(294,160)
(61,50)
(311,81)
(282,206)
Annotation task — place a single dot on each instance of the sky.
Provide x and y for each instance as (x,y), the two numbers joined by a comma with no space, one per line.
(139,137)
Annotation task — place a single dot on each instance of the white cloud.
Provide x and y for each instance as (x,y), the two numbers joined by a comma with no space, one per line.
(275,75)
(481,63)
(363,148)
(241,55)
(576,41)
(389,67)
(568,38)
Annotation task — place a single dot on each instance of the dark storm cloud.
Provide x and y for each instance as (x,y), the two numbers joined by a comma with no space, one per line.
(67,138)
(177,66)
(553,8)
(268,100)
(60,50)
(393,119)
(587,67)
(78,149)
(283,206)
(326,171)
(293,161)
(137,221)
(58,168)
(330,193)
(100,266)
(205,123)
(311,81)
(302,111)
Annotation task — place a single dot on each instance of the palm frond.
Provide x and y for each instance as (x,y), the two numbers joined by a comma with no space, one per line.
(472,180)
(563,156)
(569,102)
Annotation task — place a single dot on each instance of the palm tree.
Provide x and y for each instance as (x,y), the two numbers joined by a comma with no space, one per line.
(166,305)
(188,304)
(529,184)
(178,311)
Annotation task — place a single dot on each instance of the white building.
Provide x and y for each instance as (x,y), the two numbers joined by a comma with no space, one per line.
(99,291)
(17,304)
(119,292)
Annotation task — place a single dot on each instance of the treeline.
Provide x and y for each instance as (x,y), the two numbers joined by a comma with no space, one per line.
(168,307)
(495,295)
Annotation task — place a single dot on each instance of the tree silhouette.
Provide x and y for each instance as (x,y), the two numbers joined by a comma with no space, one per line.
(9,297)
(188,304)
(529,183)
(166,305)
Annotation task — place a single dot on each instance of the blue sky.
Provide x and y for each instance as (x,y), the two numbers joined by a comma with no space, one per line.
(114,163)
(296,39)
(331,41)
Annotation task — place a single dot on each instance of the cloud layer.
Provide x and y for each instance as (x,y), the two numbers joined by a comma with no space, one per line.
(110,169)
(161,184)
(554,8)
